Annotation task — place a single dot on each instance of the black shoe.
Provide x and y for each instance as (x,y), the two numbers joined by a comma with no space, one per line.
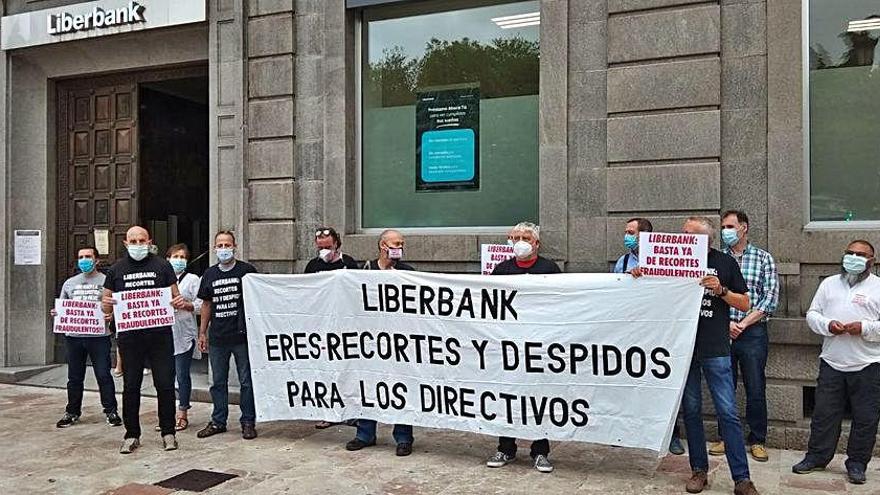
(856,475)
(211,429)
(404,449)
(67,420)
(358,444)
(248,431)
(113,419)
(806,466)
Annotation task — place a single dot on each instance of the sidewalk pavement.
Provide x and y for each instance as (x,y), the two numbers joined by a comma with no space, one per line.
(293,457)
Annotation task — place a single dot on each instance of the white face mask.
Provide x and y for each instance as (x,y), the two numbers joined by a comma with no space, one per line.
(522,249)
(138,251)
(327,255)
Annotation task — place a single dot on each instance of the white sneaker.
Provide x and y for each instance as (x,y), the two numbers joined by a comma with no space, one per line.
(129,445)
(500,459)
(169,442)
(543,464)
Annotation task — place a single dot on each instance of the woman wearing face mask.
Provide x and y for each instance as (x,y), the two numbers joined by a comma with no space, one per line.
(185,330)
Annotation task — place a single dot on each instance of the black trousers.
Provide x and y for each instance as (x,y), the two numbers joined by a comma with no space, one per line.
(861,390)
(135,347)
(79,351)
(507,445)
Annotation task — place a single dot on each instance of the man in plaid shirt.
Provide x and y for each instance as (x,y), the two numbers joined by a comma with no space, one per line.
(748,331)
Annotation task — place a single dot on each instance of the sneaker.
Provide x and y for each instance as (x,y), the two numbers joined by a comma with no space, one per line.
(358,444)
(716,448)
(542,464)
(806,466)
(113,419)
(211,429)
(697,483)
(500,459)
(675,447)
(759,452)
(745,487)
(169,442)
(248,431)
(403,449)
(856,475)
(67,420)
(129,445)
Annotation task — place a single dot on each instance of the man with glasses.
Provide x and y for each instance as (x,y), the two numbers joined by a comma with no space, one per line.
(845,311)
(328,244)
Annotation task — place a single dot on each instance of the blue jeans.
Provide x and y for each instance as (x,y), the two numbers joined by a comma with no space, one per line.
(748,353)
(366,432)
(219,358)
(719,378)
(79,349)
(182,365)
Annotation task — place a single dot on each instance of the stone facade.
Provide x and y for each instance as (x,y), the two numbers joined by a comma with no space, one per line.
(655,108)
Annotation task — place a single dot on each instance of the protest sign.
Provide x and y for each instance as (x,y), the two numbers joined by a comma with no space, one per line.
(143,308)
(673,255)
(492,254)
(534,356)
(75,316)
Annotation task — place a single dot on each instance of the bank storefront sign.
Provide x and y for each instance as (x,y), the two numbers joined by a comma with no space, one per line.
(93,19)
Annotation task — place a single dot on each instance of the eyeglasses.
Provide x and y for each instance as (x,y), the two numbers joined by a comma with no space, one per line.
(323,232)
(858,253)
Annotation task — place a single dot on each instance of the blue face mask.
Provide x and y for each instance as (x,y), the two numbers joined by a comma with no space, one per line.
(854,264)
(224,254)
(631,241)
(729,237)
(179,264)
(86,265)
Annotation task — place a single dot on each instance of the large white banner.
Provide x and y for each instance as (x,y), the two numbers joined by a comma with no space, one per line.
(589,357)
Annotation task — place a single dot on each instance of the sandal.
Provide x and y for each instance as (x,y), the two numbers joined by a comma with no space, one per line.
(182,424)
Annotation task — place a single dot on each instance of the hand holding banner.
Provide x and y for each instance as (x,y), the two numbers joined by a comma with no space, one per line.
(143,308)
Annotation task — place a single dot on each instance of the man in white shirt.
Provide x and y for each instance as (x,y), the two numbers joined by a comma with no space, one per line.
(846,312)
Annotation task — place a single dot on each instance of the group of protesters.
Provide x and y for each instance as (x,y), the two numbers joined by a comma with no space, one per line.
(741,292)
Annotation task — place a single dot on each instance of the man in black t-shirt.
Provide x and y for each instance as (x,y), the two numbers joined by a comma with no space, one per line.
(223,308)
(525,239)
(137,270)
(724,287)
(328,243)
(390,253)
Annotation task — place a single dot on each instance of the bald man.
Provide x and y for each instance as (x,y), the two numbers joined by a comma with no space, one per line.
(140,269)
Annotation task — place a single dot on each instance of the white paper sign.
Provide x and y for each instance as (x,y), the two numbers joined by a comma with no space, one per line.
(536,356)
(493,254)
(102,241)
(79,317)
(143,308)
(673,255)
(28,247)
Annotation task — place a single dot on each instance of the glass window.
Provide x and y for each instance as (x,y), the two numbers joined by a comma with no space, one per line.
(450,117)
(844,99)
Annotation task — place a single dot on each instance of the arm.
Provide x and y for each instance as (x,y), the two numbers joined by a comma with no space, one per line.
(107,301)
(205,313)
(768,303)
(736,300)
(817,322)
(868,329)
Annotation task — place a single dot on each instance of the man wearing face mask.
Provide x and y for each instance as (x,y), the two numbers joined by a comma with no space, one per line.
(748,330)
(328,244)
(223,308)
(87,286)
(525,238)
(390,254)
(137,271)
(845,311)
(630,260)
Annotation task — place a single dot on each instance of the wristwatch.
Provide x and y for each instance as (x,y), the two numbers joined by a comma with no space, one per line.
(723,292)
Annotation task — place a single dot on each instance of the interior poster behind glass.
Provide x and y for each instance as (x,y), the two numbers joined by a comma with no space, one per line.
(448,139)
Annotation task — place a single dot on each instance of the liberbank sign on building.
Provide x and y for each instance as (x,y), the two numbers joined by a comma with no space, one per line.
(448,119)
